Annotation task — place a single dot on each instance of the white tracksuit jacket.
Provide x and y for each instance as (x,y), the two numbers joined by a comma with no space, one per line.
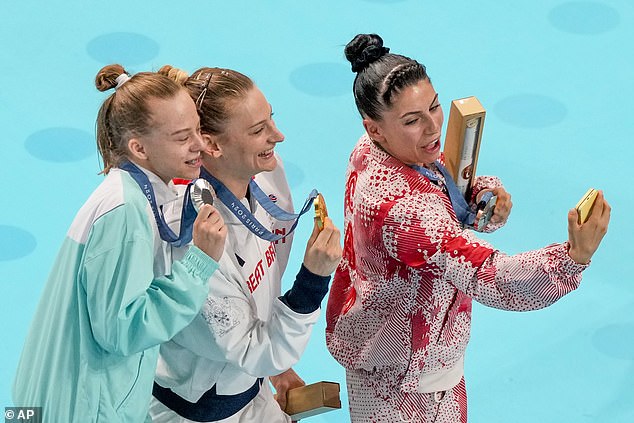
(244,331)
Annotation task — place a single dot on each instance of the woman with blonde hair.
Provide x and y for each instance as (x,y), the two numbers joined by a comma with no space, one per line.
(218,368)
(114,293)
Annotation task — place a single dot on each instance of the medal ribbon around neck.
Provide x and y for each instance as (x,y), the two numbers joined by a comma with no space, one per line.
(188,214)
(458,202)
(245,215)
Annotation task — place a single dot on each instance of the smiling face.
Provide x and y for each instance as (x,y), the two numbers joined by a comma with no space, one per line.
(245,147)
(172,148)
(410,129)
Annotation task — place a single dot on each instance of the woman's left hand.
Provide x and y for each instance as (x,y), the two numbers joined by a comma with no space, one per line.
(503,204)
(283,383)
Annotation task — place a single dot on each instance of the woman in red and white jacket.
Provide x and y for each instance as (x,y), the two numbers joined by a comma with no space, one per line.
(399,311)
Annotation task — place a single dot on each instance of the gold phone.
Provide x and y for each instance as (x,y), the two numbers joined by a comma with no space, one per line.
(321,212)
(584,206)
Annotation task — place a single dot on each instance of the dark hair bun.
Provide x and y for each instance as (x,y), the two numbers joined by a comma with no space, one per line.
(106,78)
(363,50)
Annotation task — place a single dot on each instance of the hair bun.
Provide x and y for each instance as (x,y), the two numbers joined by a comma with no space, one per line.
(106,79)
(363,50)
(173,73)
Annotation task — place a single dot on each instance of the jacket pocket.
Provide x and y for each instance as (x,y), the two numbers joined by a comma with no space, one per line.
(135,381)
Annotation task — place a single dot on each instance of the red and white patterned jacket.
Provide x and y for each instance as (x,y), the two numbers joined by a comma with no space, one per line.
(400,303)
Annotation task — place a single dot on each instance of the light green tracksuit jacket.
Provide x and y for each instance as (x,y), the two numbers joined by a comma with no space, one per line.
(112,297)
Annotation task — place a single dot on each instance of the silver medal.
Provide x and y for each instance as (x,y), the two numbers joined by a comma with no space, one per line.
(484,214)
(201,193)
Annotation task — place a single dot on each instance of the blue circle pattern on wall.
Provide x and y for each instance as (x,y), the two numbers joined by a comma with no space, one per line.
(60,144)
(322,79)
(317,82)
(15,242)
(530,110)
(588,18)
(125,48)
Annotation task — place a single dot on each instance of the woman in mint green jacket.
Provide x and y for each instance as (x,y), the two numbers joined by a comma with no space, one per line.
(114,294)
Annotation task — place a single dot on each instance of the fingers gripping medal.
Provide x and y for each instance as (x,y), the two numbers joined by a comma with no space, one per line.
(321,212)
(484,211)
(202,193)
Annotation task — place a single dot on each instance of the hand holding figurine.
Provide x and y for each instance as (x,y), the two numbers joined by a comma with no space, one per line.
(283,383)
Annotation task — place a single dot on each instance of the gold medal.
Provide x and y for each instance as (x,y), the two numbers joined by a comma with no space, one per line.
(321,212)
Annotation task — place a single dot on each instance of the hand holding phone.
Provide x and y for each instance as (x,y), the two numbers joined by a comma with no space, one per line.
(587,225)
(585,204)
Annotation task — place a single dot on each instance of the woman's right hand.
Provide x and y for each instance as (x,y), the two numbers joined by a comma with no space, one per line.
(210,232)
(584,239)
(323,251)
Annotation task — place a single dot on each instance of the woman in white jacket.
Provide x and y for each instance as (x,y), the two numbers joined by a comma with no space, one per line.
(218,368)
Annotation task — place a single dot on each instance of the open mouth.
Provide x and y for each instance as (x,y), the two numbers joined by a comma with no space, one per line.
(433,146)
(194,162)
(266,154)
